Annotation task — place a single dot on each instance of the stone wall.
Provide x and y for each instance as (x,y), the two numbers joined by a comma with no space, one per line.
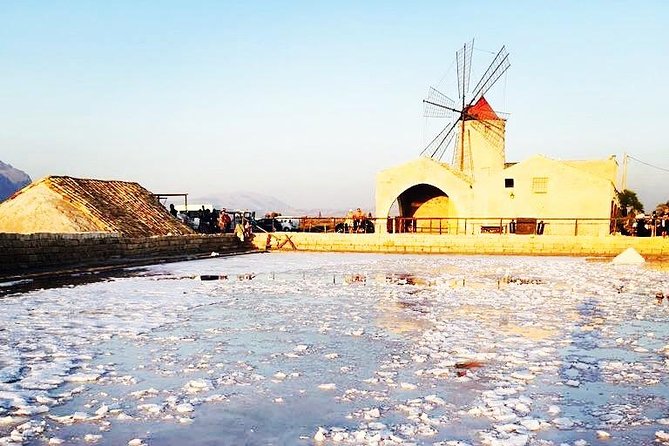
(511,244)
(33,252)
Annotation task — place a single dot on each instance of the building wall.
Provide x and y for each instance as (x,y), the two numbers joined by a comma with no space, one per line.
(570,193)
(606,169)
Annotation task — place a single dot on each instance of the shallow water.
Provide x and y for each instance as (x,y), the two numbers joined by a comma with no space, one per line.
(373,349)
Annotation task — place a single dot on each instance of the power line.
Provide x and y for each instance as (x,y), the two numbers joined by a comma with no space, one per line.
(648,164)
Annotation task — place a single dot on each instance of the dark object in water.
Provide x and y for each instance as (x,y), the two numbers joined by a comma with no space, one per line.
(659,295)
(355,278)
(212,277)
(473,364)
(520,281)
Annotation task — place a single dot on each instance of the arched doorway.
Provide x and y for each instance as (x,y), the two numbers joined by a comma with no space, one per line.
(422,208)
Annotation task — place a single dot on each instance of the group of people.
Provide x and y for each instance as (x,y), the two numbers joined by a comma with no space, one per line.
(356,221)
(208,221)
(642,225)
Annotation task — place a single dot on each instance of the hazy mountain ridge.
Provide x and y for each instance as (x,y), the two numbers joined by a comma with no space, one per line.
(11,180)
(261,204)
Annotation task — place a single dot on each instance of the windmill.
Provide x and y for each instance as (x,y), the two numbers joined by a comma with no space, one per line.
(471,107)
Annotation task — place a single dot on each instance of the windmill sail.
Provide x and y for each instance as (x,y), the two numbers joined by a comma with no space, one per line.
(438,105)
(463,59)
(496,69)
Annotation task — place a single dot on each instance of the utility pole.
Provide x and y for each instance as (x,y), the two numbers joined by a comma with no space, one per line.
(624,178)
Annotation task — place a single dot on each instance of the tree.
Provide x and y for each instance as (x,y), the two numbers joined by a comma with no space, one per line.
(629,202)
(662,208)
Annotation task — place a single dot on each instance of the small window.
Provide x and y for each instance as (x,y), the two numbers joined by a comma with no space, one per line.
(508,182)
(540,185)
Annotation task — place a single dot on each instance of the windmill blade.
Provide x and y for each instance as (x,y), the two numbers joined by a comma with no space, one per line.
(440,142)
(496,69)
(463,58)
(438,105)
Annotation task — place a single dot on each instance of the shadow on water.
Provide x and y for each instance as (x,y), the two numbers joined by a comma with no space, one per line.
(67,280)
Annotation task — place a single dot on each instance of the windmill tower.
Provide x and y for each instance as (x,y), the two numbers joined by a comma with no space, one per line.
(478,131)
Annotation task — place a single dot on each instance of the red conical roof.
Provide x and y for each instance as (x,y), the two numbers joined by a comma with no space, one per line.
(481,111)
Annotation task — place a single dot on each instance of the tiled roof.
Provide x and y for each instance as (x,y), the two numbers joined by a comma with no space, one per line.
(117,206)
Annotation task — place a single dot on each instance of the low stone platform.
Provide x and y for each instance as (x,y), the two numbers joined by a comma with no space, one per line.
(496,244)
(46,253)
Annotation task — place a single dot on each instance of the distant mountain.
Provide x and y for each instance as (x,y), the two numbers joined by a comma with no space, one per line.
(11,180)
(261,204)
(246,200)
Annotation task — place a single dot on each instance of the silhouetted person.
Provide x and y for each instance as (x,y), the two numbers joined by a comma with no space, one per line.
(173,210)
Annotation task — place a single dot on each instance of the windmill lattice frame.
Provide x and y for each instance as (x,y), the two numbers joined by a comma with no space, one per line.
(439,105)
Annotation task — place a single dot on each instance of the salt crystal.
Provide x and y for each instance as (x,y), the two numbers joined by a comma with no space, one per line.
(662,435)
(522,408)
(563,423)
(525,376)
(10,420)
(372,413)
(135,442)
(531,425)
(92,438)
(376,426)
(320,435)
(328,386)
(603,435)
(185,407)
(196,385)
(82,377)
(339,436)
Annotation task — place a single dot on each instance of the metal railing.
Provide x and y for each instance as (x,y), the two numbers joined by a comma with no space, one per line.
(477,225)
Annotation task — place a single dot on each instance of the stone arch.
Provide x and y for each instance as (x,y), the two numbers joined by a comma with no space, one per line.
(422,208)
(422,187)
(415,197)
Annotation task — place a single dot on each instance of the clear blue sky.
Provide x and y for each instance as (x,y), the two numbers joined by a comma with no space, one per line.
(307,101)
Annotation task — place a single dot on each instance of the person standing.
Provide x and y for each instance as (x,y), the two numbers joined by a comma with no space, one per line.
(224,221)
(173,210)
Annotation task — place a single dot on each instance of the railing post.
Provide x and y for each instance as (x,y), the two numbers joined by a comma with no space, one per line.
(576,226)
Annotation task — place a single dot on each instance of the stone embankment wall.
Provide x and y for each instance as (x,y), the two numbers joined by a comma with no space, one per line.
(504,244)
(21,253)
